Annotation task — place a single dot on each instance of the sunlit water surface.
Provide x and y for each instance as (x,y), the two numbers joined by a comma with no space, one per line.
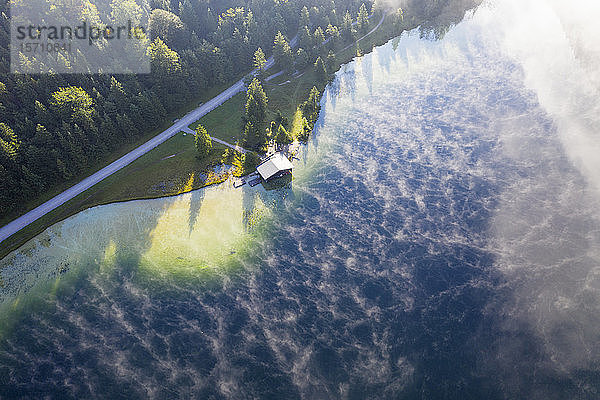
(441,239)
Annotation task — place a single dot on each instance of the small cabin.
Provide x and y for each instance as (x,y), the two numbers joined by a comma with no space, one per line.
(274,167)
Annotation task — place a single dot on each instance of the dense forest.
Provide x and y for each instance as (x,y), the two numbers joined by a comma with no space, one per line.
(54,126)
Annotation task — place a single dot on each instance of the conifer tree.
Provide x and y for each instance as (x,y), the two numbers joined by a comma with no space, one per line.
(346,30)
(311,107)
(256,103)
(8,142)
(302,59)
(333,35)
(331,61)
(259,60)
(362,19)
(318,36)
(283,136)
(306,129)
(321,70)
(304,17)
(252,137)
(202,141)
(282,52)
(305,38)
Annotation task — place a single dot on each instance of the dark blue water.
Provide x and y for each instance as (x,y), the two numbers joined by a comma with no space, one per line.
(440,240)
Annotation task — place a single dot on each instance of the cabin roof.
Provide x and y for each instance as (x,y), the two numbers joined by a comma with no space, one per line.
(273,165)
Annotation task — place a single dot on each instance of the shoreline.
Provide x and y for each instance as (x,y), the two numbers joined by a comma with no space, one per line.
(60,214)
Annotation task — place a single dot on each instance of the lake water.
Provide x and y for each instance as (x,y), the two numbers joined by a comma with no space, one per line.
(440,239)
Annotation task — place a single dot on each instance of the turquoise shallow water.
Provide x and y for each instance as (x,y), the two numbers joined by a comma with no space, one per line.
(440,239)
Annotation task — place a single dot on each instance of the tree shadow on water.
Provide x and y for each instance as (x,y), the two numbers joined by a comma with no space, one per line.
(196,197)
(86,308)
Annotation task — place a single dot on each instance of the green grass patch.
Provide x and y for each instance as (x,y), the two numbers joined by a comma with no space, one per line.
(169,169)
(225,121)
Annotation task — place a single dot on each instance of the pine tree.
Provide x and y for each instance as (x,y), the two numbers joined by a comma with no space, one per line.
(256,103)
(126,126)
(311,107)
(302,59)
(9,144)
(306,129)
(304,17)
(187,13)
(318,36)
(259,60)
(282,52)
(333,17)
(252,137)
(333,34)
(278,23)
(305,38)
(362,19)
(331,61)
(202,141)
(251,161)
(42,115)
(346,30)
(116,94)
(283,136)
(272,132)
(280,119)
(321,70)
(237,160)
(255,113)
